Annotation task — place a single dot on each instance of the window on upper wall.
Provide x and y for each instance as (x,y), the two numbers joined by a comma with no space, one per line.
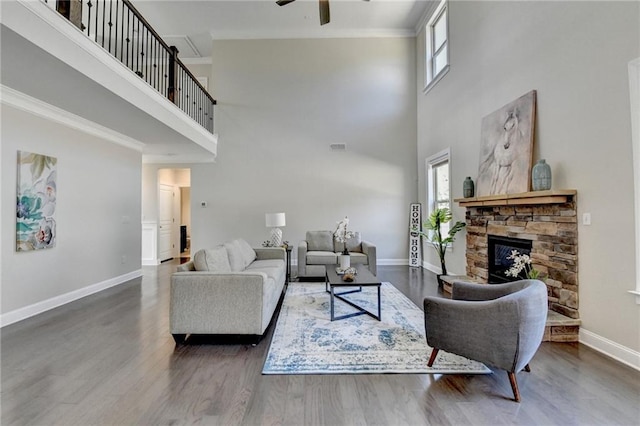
(438,186)
(437,46)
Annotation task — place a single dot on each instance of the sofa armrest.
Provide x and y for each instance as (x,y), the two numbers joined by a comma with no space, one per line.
(186,267)
(264,253)
(217,303)
(302,258)
(370,250)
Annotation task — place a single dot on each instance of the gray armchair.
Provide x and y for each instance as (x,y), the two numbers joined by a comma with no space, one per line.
(319,249)
(498,324)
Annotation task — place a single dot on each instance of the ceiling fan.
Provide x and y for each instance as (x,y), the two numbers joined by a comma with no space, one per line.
(325,16)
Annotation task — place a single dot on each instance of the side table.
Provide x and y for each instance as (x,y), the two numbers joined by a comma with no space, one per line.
(289,249)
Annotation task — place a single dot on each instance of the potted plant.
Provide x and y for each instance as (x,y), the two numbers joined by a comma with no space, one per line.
(433,233)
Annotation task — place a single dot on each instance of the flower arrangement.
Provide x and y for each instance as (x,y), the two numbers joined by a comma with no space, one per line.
(342,234)
(521,263)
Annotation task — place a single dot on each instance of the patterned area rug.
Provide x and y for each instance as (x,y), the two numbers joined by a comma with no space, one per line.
(305,341)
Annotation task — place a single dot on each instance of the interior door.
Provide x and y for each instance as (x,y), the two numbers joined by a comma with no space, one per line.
(166,222)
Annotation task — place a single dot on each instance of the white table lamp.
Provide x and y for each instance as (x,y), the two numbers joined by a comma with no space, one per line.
(274,221)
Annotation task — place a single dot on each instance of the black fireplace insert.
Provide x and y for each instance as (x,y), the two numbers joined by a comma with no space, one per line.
(500,248)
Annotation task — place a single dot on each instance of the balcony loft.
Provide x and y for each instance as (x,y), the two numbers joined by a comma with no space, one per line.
(47,58)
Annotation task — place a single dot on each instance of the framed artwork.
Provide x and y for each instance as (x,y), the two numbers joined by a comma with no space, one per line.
(506,151)
(36,202)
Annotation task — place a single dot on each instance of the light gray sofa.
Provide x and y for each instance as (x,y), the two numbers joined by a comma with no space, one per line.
(319,249)
(231,289)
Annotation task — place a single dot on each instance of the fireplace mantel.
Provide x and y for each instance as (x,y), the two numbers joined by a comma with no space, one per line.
(557,196)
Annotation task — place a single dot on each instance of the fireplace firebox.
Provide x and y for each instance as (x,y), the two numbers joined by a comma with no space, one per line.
(499,249)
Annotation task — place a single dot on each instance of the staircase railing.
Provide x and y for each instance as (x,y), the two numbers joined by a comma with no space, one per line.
(119,28)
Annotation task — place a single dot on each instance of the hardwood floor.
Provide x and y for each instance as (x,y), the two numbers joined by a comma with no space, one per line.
(109,360)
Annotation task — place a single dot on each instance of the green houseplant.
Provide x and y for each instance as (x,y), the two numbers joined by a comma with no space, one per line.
(433,233)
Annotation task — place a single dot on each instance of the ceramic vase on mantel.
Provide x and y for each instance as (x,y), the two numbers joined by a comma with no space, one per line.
(468,188)
(345,261)
(541,176)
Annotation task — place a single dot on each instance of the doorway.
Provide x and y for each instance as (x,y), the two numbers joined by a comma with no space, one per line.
(174,214)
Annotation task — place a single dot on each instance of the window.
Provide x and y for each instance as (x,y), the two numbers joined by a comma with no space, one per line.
(438,187)
(437,46)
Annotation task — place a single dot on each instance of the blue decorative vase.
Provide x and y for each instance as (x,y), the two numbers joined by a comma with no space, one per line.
(541,176)
(468,188)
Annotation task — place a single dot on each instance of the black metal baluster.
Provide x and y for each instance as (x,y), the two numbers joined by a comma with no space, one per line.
(89,5)
(128,36)
(97,13)
(104,13)
(115,47)
(146,52)
(110,24)
(137,35)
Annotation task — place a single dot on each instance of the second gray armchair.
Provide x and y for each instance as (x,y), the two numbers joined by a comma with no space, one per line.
(319,249)
(501,325)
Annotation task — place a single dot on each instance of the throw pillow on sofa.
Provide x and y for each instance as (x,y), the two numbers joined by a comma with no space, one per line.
(248,253)
(240,254)
(212,260)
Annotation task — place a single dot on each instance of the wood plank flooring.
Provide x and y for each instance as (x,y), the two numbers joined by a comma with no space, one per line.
(109,359)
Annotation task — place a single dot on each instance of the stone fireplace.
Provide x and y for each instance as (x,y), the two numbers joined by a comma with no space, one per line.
(543,222)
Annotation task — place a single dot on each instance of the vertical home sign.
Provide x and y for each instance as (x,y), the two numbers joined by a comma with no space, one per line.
(415,224)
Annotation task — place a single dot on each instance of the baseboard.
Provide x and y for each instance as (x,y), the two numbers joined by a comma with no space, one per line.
(611,349)
(46,305)
(393,262)
(150,262)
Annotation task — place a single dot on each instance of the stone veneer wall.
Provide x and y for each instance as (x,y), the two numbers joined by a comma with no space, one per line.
(553,230)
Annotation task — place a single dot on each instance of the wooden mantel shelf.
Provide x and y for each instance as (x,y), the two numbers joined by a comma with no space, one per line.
(558,196)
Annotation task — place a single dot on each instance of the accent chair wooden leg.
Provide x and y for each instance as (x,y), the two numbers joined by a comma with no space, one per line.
(514,385)
(432,358)
(527,368)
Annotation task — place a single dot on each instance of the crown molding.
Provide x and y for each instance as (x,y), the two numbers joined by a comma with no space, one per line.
(26,103)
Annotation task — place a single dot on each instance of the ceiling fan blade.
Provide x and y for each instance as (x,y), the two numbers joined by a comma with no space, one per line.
(284,2)
(325,16)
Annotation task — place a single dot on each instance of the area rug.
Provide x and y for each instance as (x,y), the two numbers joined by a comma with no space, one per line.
(306,341)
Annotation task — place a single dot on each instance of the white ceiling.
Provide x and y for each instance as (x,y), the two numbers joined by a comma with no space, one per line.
(192,24)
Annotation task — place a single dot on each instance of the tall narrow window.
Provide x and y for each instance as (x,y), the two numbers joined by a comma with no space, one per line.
(438,186)
(437,46)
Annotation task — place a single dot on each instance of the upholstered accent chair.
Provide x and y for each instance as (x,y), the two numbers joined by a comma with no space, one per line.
(319,249)
(501,325)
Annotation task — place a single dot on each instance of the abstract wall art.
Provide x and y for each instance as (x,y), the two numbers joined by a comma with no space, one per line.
(36,202)
(506,149)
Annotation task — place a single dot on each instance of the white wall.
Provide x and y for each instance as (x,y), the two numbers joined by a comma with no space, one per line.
(575,54)
(97,214)
(281,103)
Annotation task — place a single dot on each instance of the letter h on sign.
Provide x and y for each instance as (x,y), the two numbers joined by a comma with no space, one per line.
(415,224)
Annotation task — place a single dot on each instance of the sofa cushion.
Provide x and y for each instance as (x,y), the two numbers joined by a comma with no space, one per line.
(212,260)
(248,253)
(274,268)
(319,240)
(358,258)
(234,252)
(355,244)
(321,258)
